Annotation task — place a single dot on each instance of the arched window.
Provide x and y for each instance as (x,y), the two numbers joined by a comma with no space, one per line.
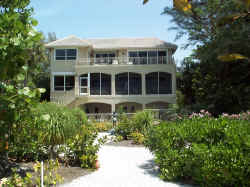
(158,83)
(128,84)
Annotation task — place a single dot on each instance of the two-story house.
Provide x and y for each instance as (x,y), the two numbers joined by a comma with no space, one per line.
(104,75)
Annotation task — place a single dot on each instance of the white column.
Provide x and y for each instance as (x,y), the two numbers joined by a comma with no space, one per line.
(113,107)
(143,84)
(113,84)
(143,106)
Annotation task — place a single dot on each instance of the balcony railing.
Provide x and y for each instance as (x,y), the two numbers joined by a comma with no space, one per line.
(126,60)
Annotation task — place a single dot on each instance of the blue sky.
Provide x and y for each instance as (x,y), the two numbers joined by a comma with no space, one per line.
(106,19)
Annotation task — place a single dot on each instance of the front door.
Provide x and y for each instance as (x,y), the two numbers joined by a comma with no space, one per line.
(84,81)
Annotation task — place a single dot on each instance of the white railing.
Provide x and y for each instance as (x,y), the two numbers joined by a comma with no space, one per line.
(126,60)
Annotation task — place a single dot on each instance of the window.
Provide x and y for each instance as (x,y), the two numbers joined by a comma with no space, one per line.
(148,57)
(165,83)
(65,54)
(64,82)
(121,84)
(158,83)
(100,84)
(162,57)
(128,84)
(152,83)
(104,58)
(69,82)
(135,84)
(152,57)
(59,83)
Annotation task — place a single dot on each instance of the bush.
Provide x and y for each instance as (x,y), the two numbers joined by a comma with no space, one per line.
(124,127)
(208,151)
(47,125)
(50,176)
(142,121)
(82,149)
(103,126)
(137,138)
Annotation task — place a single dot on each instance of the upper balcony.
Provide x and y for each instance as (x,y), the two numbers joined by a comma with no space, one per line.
(125,60)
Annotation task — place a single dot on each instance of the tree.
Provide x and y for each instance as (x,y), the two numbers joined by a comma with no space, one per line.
(216,77)
(17,39)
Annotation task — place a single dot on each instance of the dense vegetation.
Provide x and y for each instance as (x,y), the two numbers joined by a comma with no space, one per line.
(134,129)
(203,150)
(216,76)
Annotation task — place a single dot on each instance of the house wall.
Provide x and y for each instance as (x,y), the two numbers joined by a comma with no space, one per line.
(75,100)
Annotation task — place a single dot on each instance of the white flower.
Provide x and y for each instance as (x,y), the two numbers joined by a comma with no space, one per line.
(3,181)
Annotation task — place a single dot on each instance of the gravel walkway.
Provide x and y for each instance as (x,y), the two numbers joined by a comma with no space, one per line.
(123,167)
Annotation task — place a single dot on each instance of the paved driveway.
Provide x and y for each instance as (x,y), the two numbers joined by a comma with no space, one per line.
(123,167)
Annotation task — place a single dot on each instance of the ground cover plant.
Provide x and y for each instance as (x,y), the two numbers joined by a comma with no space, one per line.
(203,150)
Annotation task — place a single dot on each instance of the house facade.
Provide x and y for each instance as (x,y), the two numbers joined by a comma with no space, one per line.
(106,75)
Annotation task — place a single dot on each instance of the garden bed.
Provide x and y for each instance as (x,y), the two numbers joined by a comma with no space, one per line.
(68,173)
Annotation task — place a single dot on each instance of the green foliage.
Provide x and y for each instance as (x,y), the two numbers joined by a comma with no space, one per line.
(137,138)
(124,127)
(50,176)
(142,121)
(46,126)
(103,126)
(139,123)
(208,151)
(17,36)
(82,149)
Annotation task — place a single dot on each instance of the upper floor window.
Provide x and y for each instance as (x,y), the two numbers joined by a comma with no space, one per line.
(148,57)
(104,58)
(65,54)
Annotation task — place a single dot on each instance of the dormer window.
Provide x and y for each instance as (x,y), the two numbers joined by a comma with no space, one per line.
(65,54)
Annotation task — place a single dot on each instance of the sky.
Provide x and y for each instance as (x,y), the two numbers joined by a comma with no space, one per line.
(107,19)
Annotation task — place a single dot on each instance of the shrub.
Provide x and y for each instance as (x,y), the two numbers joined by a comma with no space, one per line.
(124,127)
(103,126)
(50,176)
(46,126)
(208,151)
(137,138)
(82,149)
(142,121)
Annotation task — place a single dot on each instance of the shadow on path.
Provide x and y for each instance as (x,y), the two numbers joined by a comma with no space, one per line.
(150,168)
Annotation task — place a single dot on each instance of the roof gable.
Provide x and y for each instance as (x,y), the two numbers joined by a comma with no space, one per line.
(69,41)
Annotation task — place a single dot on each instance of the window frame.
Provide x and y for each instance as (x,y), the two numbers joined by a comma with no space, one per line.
(64,74)
(65,54)
(100,87)
(158,83)
(128,86)
(157,50)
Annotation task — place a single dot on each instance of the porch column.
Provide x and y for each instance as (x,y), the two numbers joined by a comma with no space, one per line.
(143,84)
(113,84)
(143,106)
(113,107)
(76,85)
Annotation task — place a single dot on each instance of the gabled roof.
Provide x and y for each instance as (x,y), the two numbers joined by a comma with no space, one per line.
(71,41)
(114,43)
